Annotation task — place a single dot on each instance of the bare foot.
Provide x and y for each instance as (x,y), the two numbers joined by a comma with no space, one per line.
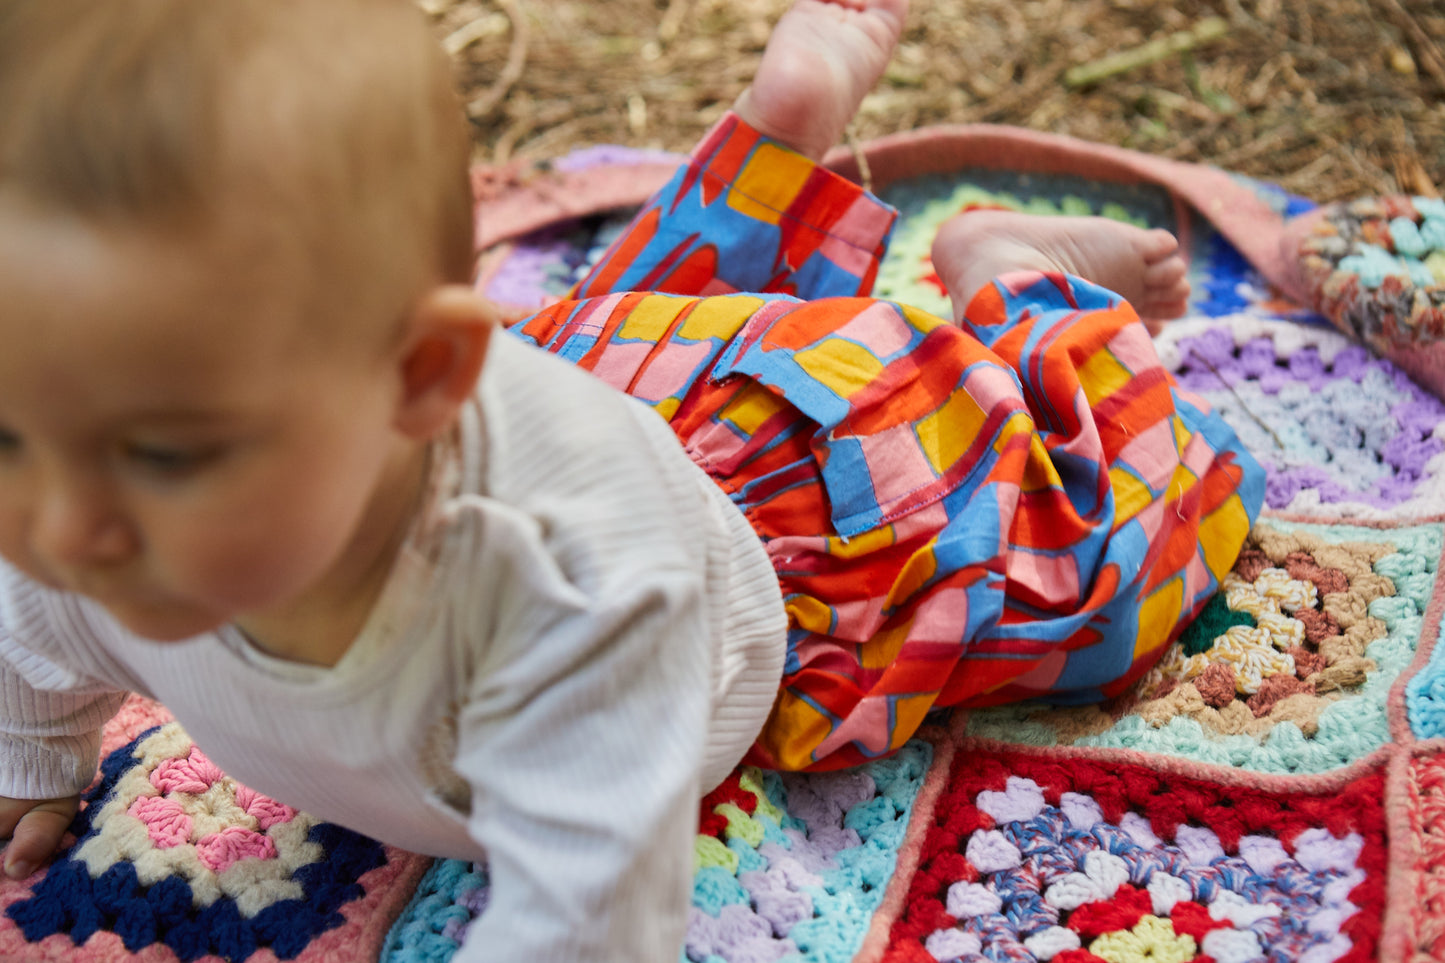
(1142,266)
(821,60)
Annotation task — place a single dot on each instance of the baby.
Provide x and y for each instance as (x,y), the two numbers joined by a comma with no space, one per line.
(264,458)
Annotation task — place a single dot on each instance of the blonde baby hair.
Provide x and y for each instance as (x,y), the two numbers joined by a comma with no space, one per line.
(337,116)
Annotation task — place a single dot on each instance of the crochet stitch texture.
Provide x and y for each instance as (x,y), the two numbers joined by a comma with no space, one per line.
(1234,806)
(1273,790)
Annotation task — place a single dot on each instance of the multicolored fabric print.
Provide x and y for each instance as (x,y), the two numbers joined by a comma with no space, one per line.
(949,525)
(958,515)
(172,853)
(1074,861)
(747,214)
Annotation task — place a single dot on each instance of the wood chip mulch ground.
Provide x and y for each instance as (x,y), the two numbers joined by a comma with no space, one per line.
(1333,100)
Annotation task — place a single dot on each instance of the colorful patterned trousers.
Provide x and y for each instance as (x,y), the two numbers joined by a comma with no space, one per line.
(1023,506)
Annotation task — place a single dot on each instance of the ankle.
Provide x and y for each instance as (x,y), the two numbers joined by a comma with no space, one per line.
(757,117)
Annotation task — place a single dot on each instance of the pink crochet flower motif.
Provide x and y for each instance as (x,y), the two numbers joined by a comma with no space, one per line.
(194,786)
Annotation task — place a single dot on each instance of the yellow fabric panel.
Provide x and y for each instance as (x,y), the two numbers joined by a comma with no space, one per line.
(795,727)
(1102,375)
(947,434)
(650,318)
(908,713)
(1158,614)
(770,182)
(751,408)
(1221,533)
(1131,496)
(809,614)
(840,365)
(718,317)
(919,568)
(859,545)
(883,648)
(920,320)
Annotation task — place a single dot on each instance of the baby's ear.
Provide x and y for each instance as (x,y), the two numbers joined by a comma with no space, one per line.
(441,358)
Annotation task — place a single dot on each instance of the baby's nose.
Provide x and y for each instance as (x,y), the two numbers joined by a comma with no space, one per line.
(77,526)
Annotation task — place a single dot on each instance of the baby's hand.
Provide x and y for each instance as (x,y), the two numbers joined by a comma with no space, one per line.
(34,828)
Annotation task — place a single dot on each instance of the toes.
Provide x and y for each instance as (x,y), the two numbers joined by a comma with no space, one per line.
(1167,273)
(1170,301)
(1166,288)
(1155,246)
(1166,310)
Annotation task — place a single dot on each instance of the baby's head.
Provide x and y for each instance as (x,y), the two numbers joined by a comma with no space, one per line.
(235,238)
(334,122)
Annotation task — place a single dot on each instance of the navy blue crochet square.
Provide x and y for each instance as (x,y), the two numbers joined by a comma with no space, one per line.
(168,850)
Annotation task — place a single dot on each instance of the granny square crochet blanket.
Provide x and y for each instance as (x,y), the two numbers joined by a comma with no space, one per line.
(1273,790)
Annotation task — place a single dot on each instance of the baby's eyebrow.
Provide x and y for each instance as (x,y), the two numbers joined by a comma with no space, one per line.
(184,418)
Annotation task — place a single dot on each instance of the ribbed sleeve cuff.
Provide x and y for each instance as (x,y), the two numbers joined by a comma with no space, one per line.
(47,768)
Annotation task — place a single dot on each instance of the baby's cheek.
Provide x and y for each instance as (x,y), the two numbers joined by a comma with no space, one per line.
(14,548)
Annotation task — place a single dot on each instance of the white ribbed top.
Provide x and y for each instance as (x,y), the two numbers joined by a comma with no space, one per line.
(580,636)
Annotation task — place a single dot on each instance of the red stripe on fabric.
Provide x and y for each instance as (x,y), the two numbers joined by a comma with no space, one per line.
(1220,483)
(976,676)
(1133,409)
(919,383)
(920,669)
(812,211)
(1046,521)
(623,253)
(544,325)
(688,276)
(1168,557)
(733,154)
(834,692)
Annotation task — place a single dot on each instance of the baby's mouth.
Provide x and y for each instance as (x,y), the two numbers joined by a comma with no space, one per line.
(105,591)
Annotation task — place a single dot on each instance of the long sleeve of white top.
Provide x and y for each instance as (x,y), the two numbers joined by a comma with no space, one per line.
(584,746)
(50,727)
(584,774)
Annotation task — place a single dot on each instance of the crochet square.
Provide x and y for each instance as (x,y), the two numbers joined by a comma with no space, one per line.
(1376,268)
(174,861)
(1052,857)
(1343,434)
(1288,670)
(1422,906)
(1222,281)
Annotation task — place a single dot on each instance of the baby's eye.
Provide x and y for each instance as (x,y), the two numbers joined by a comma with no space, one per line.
(168,460)
(9,441)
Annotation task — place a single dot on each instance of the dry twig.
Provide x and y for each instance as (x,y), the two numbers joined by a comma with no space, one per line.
(1206,30)
(482,105)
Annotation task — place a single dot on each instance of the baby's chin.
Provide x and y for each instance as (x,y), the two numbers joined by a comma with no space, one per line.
(160,623)
(152,617)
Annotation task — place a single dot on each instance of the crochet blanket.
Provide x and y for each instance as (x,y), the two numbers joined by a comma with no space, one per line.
(1275,789)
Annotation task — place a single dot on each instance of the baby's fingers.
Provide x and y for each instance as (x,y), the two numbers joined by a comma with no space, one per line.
(36,834)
